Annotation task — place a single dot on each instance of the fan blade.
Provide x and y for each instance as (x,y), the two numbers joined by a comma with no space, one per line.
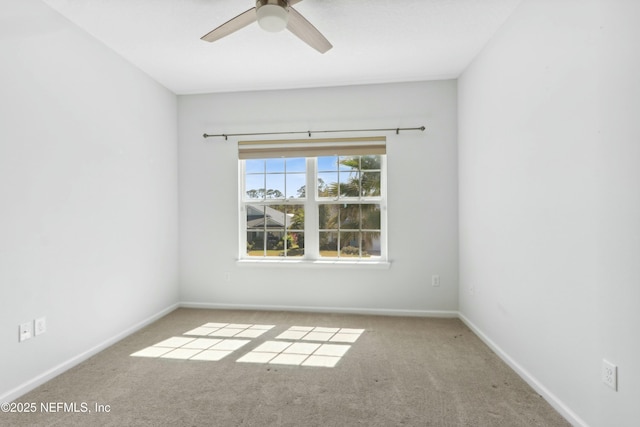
(231,26)
(309,34)
(292,2)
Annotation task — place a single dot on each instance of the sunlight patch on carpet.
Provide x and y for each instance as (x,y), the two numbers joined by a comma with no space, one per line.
(296,353)
(238,330)
(192,348)
(316,346)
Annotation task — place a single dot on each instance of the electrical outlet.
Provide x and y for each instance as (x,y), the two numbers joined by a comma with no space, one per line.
(25,331)
(610,374)
(40,326)
(435,280)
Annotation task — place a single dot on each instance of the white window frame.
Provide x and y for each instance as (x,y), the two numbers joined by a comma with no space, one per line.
(311,228)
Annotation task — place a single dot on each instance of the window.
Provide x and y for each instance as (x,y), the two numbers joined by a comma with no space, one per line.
(298,202)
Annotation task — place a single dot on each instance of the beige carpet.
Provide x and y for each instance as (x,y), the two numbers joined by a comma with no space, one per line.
(400,372)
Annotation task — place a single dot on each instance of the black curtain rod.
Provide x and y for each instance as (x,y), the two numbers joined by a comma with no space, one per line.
(309,132)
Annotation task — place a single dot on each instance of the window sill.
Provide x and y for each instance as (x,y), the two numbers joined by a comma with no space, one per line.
(380,265)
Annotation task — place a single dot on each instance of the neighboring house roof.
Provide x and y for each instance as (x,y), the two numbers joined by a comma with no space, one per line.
(257,215)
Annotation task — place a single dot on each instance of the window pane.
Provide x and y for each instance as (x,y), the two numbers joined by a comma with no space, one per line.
(275,165)
(328,244)
(274,218)
(328,164)
(295,244)
(350,244)
(349,184)
(328,184)
(275,243)
(255,243)
(370,184)
(255,217)
(296,165)
(371,217)
(296,183)
(371,244)
(350,217)
(275,186)
(348,163)
(254,185)
(328,217)
(295,217)
(370,162)
(254,166)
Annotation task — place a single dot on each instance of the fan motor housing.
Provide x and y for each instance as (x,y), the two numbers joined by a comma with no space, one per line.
(273,15)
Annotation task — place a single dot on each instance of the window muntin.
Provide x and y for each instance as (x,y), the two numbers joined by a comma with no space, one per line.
(345,213)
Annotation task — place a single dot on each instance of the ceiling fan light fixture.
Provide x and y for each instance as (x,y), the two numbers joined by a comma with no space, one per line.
(273,15)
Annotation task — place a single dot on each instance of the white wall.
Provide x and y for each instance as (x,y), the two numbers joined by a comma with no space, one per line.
(549,148)
(88,194)
(422,177)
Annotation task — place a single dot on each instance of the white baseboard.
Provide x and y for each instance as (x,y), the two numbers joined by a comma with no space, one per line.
(311,309)
(64,366)
(553,400)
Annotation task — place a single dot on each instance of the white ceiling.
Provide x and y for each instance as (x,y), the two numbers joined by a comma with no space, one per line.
(375,41)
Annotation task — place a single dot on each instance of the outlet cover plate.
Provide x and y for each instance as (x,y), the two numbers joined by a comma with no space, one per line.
(25,331)
(40,326)
(610,374)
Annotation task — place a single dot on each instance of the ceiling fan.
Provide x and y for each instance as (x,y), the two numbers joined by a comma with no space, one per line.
(274,16)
